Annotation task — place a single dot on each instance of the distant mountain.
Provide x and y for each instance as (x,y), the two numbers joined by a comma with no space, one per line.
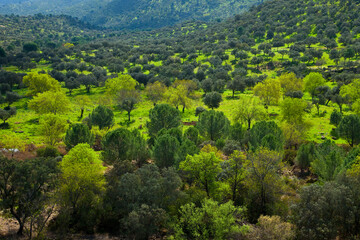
(131,14)
(75,8)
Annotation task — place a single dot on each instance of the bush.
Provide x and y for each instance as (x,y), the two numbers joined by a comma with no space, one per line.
(48,151)
(335,117)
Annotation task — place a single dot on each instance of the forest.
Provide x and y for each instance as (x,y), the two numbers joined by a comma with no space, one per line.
(131,14)
(246,128)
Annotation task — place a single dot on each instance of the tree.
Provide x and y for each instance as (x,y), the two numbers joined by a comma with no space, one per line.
(155,92)
(210,221)
(213,125)
(71,84)
(120,85)
(2,52)
(233,172)
(52,128)
(6,114)
(263,181)
(328,161)
(13,143)
(129,104)
(78,133)
(312,81)
(293,110)
(324,212)
(266,134)
(269,228)
(305,156)
(12,97)
(249,110)
(351,91)
(102,116)
(269,91)
(163,116)
(349,129)
(82,101)
(203,168)
(122,144)
(179,96)
(30,47)
(166,151)
(212,100)
(290,83)
(88,81)
(25,187)
(39,83)
(335,117)
(237,84)
(50,102)
(146,191)
(82,186)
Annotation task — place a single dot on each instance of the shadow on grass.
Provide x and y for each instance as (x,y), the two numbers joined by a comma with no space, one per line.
(232,98)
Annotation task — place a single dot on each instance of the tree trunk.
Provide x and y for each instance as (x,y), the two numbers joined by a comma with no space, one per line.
(249,124)
(21,230)
(129,117)
(183,110)
(233,93)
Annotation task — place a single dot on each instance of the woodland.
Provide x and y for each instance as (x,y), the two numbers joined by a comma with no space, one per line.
(244,128)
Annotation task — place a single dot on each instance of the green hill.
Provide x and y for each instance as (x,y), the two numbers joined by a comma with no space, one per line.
(143,14)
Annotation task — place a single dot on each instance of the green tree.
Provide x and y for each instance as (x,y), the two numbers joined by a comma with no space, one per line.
(155,92)
(50,102)
(129,104)
(141,198)
(122,144)
(328,161)
(78,133)
(2,52)
(166,151)
(349,129)
(82,102)
(30,47)
(269,91)
(313,81)
(305,156)
(335,117)
(12,97)
(179,96)
(163,116)
(82,186)
(234,173)
(25,187)
(324,212)
(102,116)
(123,84)
(203,168)
(267,134)
(39,83)
(263,181)
(293,110)
(237,84)
(6,114)
(210,221)
(249,110)
(290,83)
(351,91)
(213,125)
(213,100)
(52,128)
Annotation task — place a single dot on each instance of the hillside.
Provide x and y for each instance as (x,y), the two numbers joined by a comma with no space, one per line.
(130,14)
(246,128)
